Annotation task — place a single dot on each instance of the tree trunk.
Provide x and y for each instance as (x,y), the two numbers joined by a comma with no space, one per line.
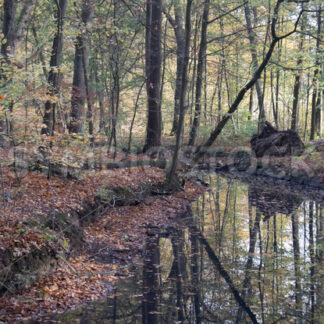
(7,49)
(153,73)
(316,93)
(78,87)
(54,73)
(200,68)
(9,29)
(294,114)
(172,171)
(114,62)
(255,63)
(177,24)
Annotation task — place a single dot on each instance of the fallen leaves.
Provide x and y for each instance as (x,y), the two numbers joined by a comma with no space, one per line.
(82,281)
(119,233)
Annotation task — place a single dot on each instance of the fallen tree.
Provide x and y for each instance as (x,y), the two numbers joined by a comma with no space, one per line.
(272,142)
(275,39)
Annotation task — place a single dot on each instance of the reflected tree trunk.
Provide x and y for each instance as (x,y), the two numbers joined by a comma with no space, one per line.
(249,263)
(180,271)
(150,281)
(319,300)
(218,265)
(295,237)
(195,276)
(312,258)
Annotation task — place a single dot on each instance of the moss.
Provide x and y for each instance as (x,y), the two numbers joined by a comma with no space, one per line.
(67,226)
(117,196)
(19,272)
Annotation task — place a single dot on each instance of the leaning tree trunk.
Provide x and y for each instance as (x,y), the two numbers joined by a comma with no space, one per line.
(81,56)
(200,68)
(54,73)
(219,127)
(153,73)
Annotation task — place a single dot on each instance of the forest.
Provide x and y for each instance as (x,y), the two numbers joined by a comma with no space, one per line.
(161,161)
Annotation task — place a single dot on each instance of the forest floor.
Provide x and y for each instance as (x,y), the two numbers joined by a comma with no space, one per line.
(66,275)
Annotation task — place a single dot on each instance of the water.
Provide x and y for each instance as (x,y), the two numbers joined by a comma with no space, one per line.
(243,253)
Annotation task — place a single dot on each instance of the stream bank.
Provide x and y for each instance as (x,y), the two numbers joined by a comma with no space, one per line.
(88,245)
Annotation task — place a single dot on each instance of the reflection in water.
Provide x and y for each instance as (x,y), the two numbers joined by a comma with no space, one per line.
(242,254)
(272,200)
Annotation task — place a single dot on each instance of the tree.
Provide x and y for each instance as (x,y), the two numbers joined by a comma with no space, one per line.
(255,64)
(316,97)
(200,68)
(12,29)
(8,48)
(54,73)
(153,72)
(80,59)
(177,24)
(294,114)
(171,174)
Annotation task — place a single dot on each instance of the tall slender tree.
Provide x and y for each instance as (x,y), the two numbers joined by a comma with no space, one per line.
(54,73)
(12,29)
(177,24)
(294,114)
(171,174)
(255,63)
(80,58)
(200,71)
(153,72)
(316,112)
(7,49)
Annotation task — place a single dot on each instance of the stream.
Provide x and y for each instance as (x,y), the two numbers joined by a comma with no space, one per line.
(242,253)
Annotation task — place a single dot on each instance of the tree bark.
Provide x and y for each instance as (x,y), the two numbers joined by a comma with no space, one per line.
(294,114)
(255,63)
(172,171)
(7,48)
(9,29)
(78,87)
(54,73)
(315,117)
(177,24)
(153,73)
(200,69)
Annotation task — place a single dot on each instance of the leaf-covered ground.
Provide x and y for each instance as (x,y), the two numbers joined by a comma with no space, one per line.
(111,242)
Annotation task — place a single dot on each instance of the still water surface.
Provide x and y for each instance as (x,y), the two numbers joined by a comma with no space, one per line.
(243,253)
